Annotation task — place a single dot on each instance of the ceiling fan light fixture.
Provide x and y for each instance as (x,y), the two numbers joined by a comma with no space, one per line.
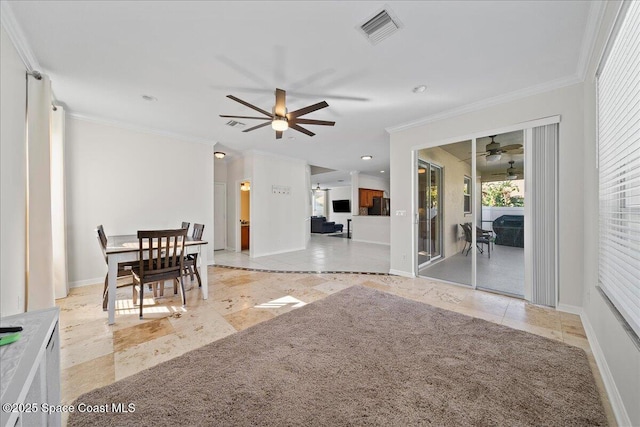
(511,172)
(493,157)
(219,154)
(280,124)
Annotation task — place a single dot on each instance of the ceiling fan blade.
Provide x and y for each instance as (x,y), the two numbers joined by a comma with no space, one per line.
(307,110)
(301,129)
(278,134)
(245,117)
(261,125)
(246,104)
(511,147)
(312,122)
(281,104)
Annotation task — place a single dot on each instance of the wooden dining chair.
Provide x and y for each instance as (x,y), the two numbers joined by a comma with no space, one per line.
(124,269)
(191,260)
(185,225)
(161,258)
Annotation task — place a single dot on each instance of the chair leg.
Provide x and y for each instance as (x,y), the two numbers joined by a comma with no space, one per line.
(195,269)
(105,293)
(135,295)
(182,292)
(141,297)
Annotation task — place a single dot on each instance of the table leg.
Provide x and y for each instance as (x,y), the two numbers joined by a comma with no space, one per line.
(112,285)
(202,266)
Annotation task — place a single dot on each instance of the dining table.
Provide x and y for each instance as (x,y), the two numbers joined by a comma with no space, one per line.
(122,248)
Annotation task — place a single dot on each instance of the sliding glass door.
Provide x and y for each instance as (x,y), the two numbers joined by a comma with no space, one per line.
(429,212)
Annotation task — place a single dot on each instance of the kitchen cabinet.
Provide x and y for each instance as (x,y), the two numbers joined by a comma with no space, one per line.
(367,195)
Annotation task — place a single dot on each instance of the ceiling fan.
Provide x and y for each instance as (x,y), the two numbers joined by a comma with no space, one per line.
(281,120)
(494,150)
(320,189)
(512,173)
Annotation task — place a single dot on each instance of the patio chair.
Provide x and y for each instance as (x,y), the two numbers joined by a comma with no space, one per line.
(481,238)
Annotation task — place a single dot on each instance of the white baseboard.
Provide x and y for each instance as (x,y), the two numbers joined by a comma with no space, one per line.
(370,241)
(617,405)
(279,252)
(86,282)
(401,273)
(572,309)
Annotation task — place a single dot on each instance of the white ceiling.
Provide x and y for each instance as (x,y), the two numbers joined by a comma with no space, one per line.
(103,55)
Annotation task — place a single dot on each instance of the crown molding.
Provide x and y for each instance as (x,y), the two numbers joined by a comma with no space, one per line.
(16,35)
(594,20)
(141,129)
(490,102)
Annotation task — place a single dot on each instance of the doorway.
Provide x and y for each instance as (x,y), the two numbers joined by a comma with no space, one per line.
(245,215)
(429,212)
(508,242)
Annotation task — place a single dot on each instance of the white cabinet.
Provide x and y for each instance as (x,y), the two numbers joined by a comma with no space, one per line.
(30,370)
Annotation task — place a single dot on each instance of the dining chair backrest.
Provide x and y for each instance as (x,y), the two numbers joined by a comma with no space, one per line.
(185,225)
(161,254)
(102,238)
(198,229)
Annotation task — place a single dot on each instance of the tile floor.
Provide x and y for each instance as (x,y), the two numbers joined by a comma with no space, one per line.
(503,272)
(94,354)
(324,253)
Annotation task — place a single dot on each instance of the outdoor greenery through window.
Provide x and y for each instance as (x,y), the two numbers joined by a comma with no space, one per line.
(502,194)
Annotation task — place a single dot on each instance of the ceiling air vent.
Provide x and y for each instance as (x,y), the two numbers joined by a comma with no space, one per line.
(233,123)
(381,26)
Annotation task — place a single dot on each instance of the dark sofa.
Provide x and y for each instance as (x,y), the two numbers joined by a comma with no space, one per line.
(509,230)
(319,224)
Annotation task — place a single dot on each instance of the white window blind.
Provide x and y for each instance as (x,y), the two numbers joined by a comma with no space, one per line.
(618,83)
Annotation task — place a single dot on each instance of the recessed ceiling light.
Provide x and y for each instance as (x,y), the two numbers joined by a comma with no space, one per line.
(367,157)
(341,180)
(219,154)
(381,171)
(419,89)
(149,98)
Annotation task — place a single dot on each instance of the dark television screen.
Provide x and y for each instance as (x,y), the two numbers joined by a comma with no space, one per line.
(341,206)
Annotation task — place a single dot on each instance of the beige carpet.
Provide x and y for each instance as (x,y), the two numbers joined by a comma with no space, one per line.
(362,357)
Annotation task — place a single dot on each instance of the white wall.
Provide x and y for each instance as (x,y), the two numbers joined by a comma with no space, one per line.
(617,356)
(371,229)
(13,185)
(566,102)
(339,193)
(220,170)
(127,181)
(279,222)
